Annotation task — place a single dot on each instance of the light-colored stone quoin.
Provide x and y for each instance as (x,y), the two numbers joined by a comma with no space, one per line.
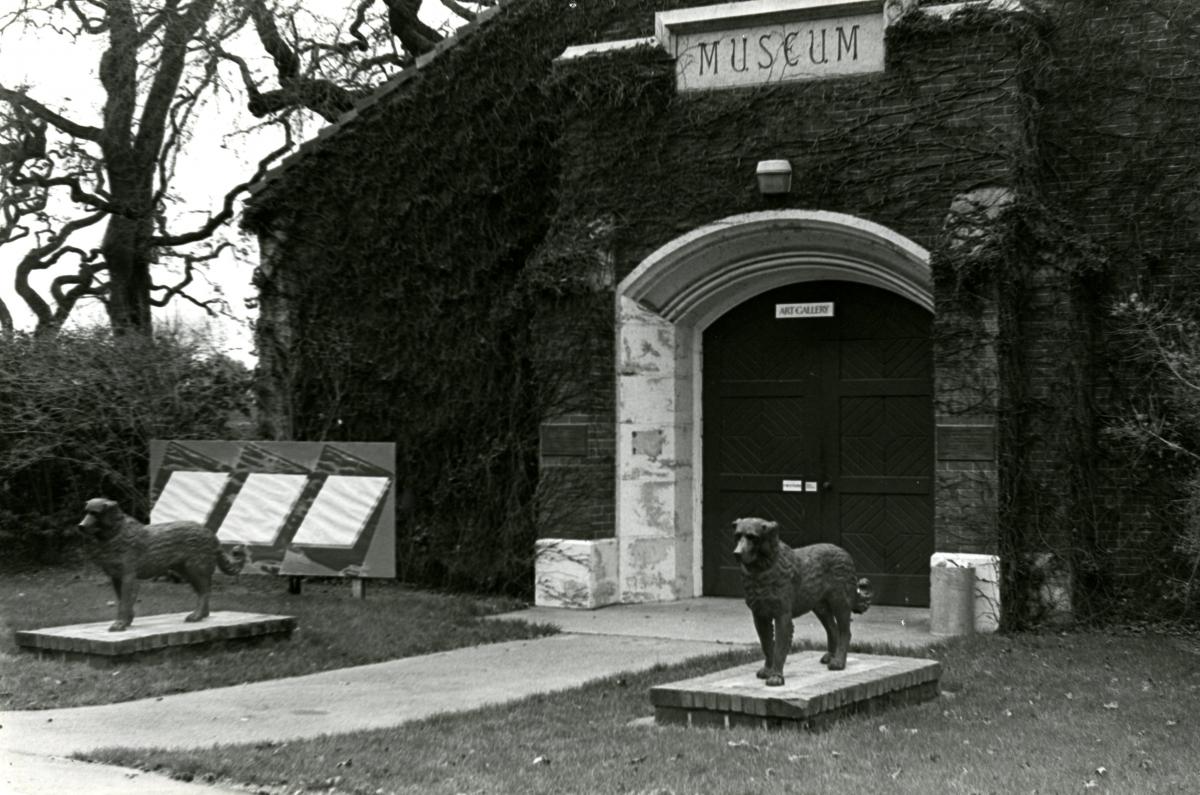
(575,573)
(987,585)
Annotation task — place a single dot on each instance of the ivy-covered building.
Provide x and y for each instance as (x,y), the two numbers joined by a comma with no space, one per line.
(612,273)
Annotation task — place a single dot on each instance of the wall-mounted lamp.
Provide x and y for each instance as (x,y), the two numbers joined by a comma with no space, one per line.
(774,177)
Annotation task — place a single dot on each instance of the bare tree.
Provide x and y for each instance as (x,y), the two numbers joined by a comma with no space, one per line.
(159,62)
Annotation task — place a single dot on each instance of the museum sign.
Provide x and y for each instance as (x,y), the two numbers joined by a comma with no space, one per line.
(737,45)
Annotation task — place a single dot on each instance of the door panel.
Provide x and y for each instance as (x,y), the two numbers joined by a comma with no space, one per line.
(824,425)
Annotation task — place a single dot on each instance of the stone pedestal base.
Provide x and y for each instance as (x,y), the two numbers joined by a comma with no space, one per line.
(812,697)
(152,633)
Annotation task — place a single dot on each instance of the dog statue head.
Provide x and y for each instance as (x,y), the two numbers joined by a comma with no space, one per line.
(757,540)
(101,517)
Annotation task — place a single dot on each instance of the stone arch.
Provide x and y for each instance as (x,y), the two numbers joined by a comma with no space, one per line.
(663,307)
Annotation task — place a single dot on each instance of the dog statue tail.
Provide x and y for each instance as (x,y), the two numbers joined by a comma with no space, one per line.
(862,597)
(231,562)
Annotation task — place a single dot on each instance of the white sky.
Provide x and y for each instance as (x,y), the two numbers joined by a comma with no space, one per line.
(64,81)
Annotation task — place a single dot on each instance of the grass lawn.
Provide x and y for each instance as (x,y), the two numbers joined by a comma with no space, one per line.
(1080,712)
(335,631)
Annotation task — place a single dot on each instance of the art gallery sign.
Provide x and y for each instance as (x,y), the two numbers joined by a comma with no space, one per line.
(737,45)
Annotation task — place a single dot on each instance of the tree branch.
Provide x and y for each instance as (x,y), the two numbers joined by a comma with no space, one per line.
(37,109)
(157,21)
(43,257)
(90,24)
(321,96)
(173,53)
(78,194)
(82,280)
(64,303)
(360,16)
(179,120)
(395,59)
(247,77)
(460,10)
(415,35)
(287,64)
(28,139)
(226,211)
(189,271)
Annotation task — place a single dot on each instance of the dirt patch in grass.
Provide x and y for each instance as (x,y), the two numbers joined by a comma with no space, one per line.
(335,631)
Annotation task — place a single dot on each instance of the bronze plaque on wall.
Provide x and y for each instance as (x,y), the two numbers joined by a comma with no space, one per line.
(564,439)
(966,442)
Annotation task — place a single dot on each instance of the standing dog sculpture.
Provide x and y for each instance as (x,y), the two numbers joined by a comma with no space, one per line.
(782,583)
(128,551)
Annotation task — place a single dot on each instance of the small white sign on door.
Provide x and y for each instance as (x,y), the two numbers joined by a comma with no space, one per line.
(793,485)
(792,311)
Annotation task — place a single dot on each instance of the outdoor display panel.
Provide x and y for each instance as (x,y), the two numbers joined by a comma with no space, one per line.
(298,508)
(261,509)
(189,496)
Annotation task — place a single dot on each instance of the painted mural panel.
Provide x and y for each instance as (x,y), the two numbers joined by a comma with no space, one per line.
(261,508)
(299,508)
(188,496)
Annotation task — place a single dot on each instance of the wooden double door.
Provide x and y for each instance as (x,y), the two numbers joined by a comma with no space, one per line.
(818,414)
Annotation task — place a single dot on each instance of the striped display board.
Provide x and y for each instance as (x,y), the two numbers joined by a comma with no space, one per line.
(298,508)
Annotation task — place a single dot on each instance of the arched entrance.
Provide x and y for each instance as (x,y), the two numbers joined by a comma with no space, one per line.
(664,307)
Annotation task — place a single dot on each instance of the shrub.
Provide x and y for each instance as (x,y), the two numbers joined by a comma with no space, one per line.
(1161,433)
(78,411)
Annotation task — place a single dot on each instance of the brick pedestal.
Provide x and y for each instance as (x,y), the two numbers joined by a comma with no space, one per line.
(811,698)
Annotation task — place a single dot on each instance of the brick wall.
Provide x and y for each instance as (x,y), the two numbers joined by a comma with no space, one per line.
(1121,145)
(893,148)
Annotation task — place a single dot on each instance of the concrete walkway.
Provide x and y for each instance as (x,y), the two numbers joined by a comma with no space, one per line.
(594,644)
(727,621)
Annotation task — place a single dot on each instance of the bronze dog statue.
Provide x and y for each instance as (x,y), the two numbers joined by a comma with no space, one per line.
(128,551)
(782,583)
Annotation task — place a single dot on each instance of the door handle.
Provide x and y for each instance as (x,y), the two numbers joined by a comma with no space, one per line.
(826,485)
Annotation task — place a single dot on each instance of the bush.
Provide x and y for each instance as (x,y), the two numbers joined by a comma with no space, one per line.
(1161,433)
(78,411)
